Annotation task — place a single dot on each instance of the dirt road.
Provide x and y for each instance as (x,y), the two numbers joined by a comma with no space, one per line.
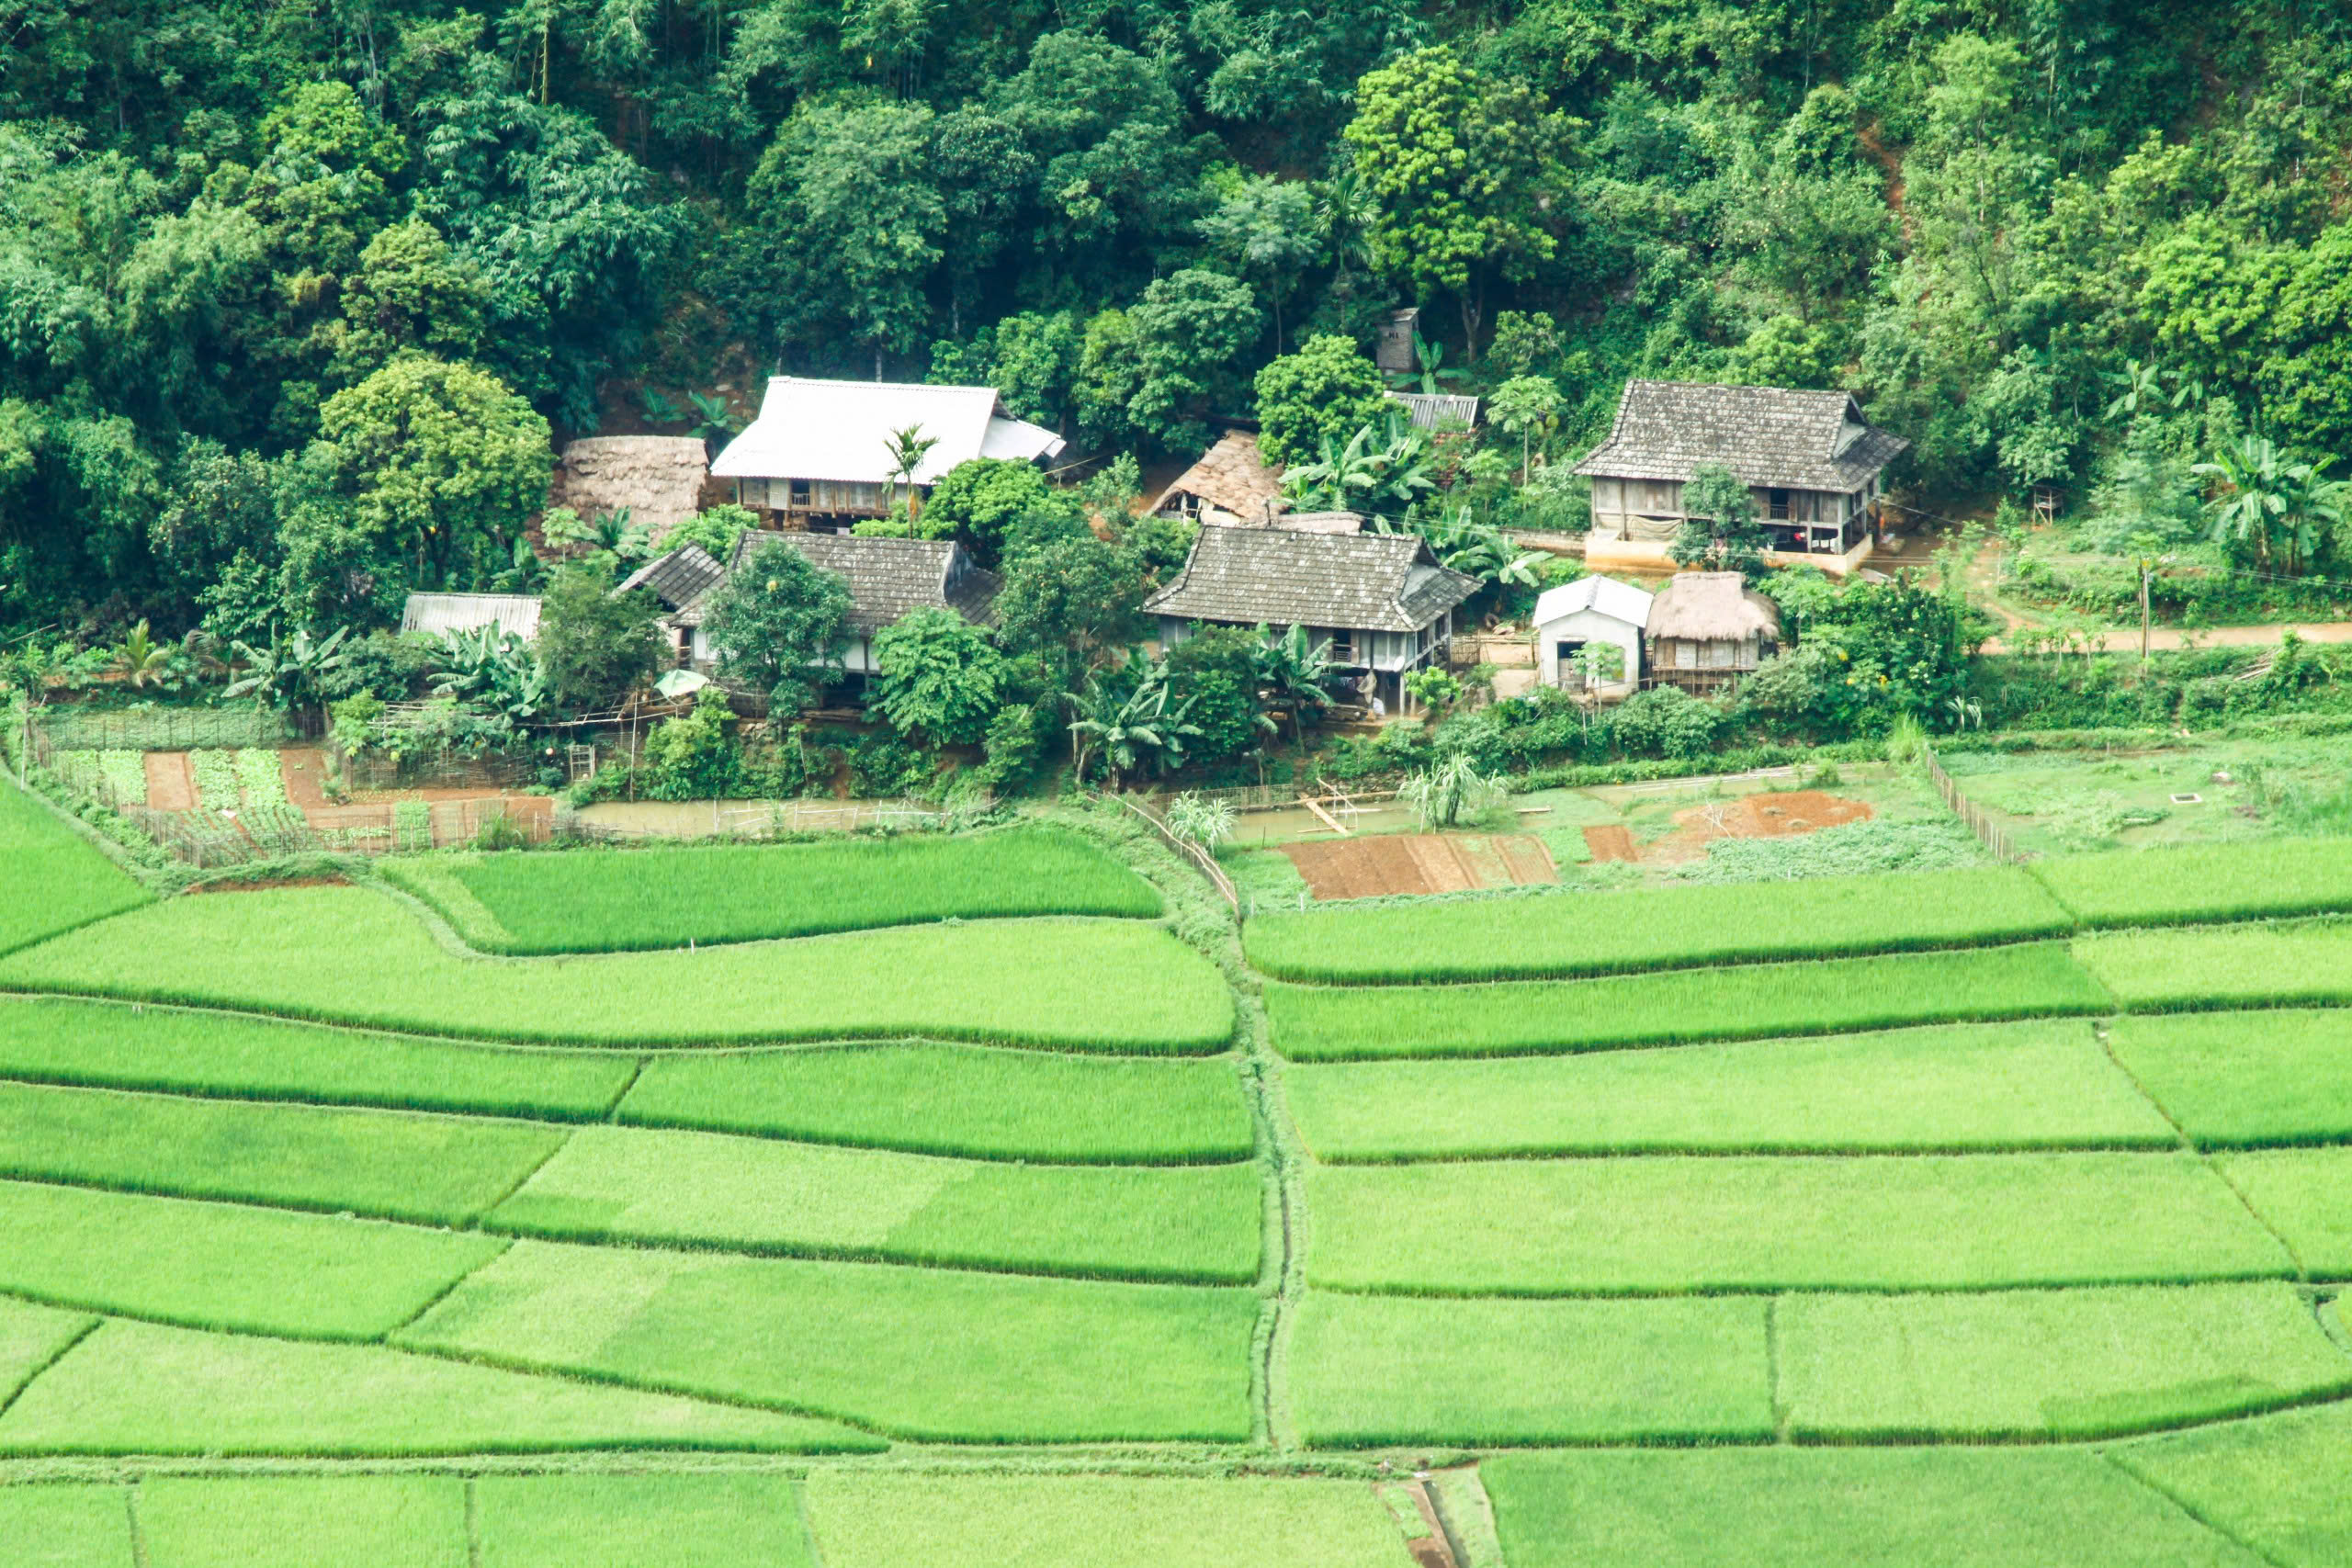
(2123,640)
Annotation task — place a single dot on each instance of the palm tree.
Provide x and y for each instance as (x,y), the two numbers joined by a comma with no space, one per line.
(908,448)
(2270,501)
(139,659)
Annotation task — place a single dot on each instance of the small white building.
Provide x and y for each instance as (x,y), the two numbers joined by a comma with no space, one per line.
(820,455)
(1589,610)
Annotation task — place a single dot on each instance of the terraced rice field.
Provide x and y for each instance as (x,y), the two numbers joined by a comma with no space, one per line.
(1902,1222)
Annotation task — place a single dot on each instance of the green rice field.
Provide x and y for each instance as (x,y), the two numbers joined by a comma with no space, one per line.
(611,901)
(1743,1226)
(2045,1084)
(56,879)
(958,1099)
(1568,934)
(708,1190)
(1350,1022)
(1084,984)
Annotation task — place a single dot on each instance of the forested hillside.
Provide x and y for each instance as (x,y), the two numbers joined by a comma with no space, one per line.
(291,296)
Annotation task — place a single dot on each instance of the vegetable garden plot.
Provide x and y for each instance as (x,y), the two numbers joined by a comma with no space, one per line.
(956,1100)
(110,1044)
(640,1521)
(609,900)
(146,1389)
(55,879)
(1393,1371)
(2203,882)
(434,1169)
(1790,1507)
(1193,1223)
(2183,970)
(2281,1483)
(1964,1087)
(2062,1364)
(916,1352)
(75,1526)
(1537,1017)
(349,955)
(1102,1521)
(1902,1222)
(2240,1078)
(219,1266)
(380,1521)
(2306,1196)
(1573,934)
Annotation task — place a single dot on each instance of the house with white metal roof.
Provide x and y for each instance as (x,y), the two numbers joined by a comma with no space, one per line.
(821,453)
(1590,610)
(443,614)
(1810,459)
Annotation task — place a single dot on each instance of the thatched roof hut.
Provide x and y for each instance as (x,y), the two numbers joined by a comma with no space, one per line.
(1706,627)
(657,479)
(1230,484)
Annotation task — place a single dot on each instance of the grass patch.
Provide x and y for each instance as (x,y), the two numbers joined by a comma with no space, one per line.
(640,1521)
(1569,934)
(2283,1484)
(217,1266)
(1907,1222)
(956,1100)
(1786,1508)
(30,1338)
(2182,971)
(918,1352)
(383,1521)
(142,1388)
(2203,882)
(1194,1222)
(1392,1371)
(1961,1087)
(2306,1195)
(2243,1079)
(1103,1521)
(349,954)
(1534,1017)
(110,1045)
(433,1169)
(67,1526)
(613,900)
(2062,1364)
(56,880)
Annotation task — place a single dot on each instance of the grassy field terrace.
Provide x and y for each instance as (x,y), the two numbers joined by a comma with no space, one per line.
(953,1202)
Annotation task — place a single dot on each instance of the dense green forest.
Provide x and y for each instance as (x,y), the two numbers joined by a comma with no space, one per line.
(292,296)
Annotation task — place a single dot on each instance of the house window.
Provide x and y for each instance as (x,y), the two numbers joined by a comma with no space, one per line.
(1343,646)
(799,493)
(1776,505)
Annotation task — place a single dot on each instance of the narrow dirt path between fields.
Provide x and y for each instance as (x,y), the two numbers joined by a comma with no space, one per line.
(171,784)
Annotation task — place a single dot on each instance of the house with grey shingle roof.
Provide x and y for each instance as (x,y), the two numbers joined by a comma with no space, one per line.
(1810,459)
(1381,600)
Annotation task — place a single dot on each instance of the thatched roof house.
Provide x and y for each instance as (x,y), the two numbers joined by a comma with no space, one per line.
(657,479)
(1708,628)
(1230,484)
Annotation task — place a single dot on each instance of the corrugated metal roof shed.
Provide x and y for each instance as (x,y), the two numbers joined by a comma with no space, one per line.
(437,614)
(1621,601)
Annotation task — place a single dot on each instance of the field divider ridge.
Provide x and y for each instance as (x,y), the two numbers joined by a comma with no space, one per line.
(2189,1509)
(55,1356)
(2105,1034)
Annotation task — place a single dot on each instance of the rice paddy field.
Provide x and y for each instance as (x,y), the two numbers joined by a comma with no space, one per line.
(954,1201)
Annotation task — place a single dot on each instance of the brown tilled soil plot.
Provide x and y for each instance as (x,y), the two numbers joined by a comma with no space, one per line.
(1772,815)
(170,785)
(1420,862)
